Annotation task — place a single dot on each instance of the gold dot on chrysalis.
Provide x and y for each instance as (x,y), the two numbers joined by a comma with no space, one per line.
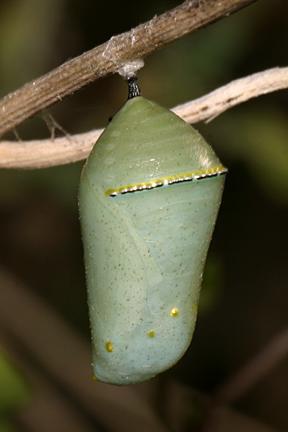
(151,333)
(109,346)
(174,312)
(94,378)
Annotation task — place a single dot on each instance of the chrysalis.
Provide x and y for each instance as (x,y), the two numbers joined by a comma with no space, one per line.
(149,196)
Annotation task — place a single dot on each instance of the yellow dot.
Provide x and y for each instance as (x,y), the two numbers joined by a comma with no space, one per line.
(174,312)
(109,346)
(94,378)
(151,333)
(194,308)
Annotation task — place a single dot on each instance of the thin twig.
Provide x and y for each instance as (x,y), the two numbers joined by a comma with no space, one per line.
(59,151)
(110,56)
(213,104)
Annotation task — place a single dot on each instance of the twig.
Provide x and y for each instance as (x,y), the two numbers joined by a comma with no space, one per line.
(110,56)
(213,104)
(59,151)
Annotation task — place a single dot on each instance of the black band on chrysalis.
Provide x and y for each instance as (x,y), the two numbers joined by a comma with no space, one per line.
(133,87)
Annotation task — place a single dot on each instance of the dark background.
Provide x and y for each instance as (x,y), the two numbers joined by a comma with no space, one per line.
(244,299)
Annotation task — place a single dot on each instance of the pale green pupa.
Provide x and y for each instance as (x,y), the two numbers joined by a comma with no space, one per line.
(149,196)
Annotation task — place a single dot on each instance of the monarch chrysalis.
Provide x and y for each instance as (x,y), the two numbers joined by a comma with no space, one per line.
(149,196)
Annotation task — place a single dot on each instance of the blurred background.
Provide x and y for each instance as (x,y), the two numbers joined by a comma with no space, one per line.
(45,376)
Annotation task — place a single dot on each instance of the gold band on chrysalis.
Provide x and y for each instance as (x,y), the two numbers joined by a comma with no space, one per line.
(169,180)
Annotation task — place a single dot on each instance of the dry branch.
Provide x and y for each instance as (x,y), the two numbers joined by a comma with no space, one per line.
(59,151)
(108,57)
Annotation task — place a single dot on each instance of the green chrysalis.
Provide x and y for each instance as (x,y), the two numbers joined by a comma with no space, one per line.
(149,196)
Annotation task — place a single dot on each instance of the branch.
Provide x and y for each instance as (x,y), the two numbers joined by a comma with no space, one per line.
(59,151)
(108,57)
